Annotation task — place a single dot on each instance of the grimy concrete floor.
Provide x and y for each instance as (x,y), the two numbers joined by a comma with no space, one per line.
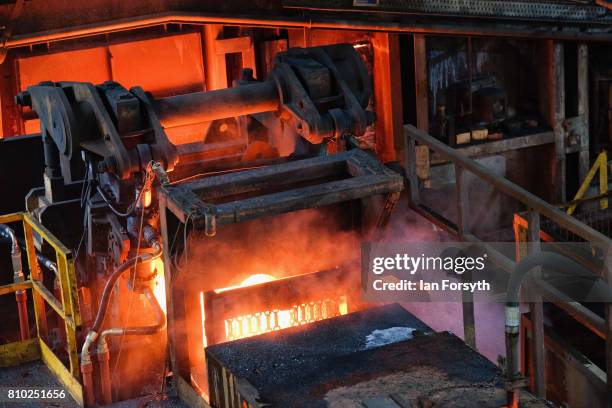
(37,375)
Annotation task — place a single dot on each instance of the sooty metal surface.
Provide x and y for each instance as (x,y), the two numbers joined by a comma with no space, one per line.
(519,9)
(299,367)
(281,188)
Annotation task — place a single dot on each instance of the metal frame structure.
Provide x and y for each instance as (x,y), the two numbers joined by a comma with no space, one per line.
(318,20)
(537,208)
(67,308)
(211,202)
(193,201)
(583,315)
(563,128)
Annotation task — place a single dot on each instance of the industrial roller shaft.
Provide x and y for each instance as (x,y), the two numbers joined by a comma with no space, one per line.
(321,92)
(198,107)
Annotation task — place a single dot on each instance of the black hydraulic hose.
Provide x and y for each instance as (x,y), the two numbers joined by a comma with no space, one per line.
(110,284)
(6,234)
(92,335)
(9,235)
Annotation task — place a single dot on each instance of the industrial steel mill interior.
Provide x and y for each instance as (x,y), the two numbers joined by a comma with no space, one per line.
(211,204)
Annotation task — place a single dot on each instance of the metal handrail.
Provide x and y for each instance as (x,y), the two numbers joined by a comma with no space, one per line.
(66,307)
(536,208)
(504,185)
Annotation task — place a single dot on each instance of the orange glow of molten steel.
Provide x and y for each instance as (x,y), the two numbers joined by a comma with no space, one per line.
(159,284)
(257,279)
(272,320)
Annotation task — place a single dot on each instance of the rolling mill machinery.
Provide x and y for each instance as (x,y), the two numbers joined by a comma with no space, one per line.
(111,173)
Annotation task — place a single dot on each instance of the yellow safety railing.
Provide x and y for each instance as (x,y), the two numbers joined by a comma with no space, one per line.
(67,308)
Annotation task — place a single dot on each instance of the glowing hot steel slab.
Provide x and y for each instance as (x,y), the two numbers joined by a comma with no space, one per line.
(270,320)
(244,311)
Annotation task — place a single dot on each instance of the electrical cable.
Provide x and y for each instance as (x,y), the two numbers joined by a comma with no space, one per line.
(216,173)
(145,186)
(149,175)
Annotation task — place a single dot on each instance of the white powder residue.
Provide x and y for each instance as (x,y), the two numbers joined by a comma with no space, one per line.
(380,338)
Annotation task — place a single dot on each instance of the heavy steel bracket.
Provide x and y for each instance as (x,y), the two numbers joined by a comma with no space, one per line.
(310,183)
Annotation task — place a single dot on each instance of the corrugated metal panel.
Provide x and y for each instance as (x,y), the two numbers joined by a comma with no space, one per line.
(536,10)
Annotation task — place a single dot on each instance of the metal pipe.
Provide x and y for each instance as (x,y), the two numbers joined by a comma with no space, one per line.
(86,372)
(151,20)
(8,234)
(87,369)
(110,284)
(199,107)
(22,308)
(21,297)
(92,335)
(103,353)
(103,357)
(507,187)
(139,330)
(559,264)
(47,263)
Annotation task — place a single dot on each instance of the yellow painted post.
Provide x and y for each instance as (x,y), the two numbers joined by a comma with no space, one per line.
(67,309)
(35,275)
(603,179)
(65,268)
(64,376)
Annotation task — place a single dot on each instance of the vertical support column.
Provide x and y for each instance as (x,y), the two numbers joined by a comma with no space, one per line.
(558,97)
(70,304)
(216,70)
(388,95)
(216,48)
(10,114)
(421,83)
(536,308)
(168,281)
(583,107)
(307,36)
(249,57)
(608,326)
(610,112)
(462,201)
(411,168)
(39,302)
